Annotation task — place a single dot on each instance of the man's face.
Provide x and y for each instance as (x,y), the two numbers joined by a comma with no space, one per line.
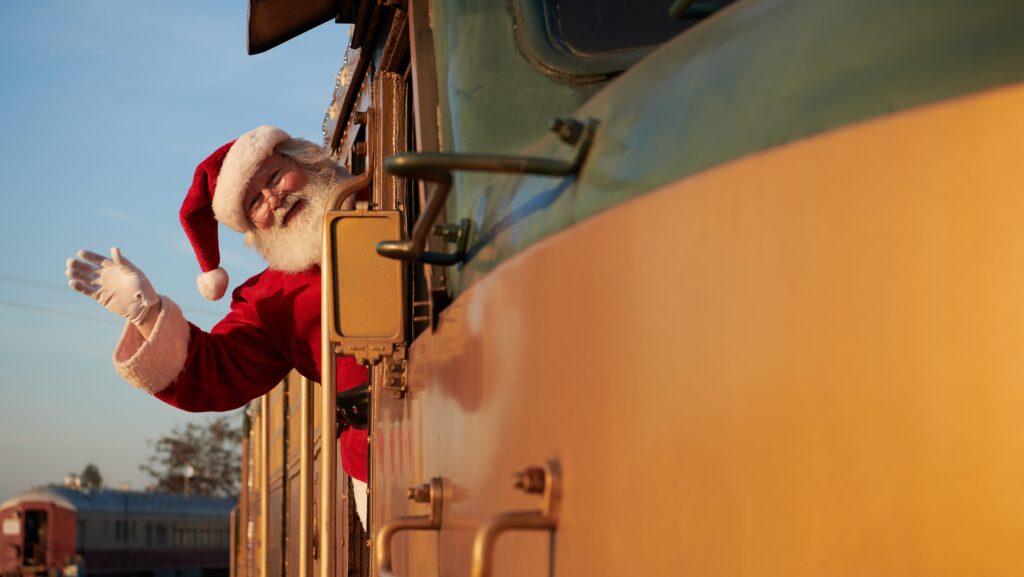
(286,206)
(273,187)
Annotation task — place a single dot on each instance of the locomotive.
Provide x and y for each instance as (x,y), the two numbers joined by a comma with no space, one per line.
(54,530)
(661,288)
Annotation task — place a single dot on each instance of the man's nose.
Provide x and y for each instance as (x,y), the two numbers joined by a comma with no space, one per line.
(273,199)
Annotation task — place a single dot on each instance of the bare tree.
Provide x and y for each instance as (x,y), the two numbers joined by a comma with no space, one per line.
(200,458)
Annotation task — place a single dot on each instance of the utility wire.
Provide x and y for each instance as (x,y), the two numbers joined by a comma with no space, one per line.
(63,288)
(58,312)
(28,282)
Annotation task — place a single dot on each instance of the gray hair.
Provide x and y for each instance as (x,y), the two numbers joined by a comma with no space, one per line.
(311,157)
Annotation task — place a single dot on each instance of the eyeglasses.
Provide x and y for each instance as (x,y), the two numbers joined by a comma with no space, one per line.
(260,210)
(269,181)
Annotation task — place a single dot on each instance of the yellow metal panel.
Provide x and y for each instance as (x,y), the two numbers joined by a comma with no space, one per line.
(807,362)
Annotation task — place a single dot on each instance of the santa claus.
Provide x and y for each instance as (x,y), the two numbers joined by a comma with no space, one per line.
(273,189)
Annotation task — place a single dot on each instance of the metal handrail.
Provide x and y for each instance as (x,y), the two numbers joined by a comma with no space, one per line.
(437,167)
(328,369)
(433,493)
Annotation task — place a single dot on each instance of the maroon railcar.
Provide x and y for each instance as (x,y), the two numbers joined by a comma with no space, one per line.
(71,532)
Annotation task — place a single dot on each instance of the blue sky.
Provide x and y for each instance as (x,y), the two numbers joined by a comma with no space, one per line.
(107,107)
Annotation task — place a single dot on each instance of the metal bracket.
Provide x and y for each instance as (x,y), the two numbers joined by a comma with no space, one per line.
(546,480)
(395,369)
(427,493)
(437,167)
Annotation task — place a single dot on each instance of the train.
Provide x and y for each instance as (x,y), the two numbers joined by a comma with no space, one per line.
(661,288)
(67,531)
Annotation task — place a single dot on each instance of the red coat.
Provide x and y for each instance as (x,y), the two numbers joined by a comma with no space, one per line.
(273,326)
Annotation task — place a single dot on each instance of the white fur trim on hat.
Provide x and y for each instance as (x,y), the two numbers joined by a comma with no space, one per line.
(153,364)
(241,162)
(213,284)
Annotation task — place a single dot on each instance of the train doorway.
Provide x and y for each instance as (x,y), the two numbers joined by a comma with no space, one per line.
(35,539)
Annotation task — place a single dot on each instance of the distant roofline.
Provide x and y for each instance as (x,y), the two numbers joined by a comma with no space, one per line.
(43,494)
(111,500)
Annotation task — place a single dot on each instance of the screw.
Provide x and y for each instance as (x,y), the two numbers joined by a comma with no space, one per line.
(531,480)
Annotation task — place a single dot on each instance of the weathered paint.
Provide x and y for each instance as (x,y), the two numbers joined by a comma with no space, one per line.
(759,74)
(807,361)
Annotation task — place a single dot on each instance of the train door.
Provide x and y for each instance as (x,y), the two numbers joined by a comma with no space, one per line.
(36,530)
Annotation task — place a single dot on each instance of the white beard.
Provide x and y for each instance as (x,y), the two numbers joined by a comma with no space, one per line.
(299,245)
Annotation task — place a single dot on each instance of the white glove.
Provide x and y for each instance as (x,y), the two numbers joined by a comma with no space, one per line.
(116,284)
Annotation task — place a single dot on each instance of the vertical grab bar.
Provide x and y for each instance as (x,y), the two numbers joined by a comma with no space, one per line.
(328,388)
(264,483)
(328,447)
(305,474)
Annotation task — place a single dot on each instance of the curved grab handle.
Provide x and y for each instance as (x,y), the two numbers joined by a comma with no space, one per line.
(534,480)
(437,167)
(382,541)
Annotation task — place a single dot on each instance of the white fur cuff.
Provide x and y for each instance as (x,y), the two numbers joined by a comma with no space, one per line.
(152,365)
(240,163)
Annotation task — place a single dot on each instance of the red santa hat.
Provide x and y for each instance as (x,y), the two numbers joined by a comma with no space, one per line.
(216,195)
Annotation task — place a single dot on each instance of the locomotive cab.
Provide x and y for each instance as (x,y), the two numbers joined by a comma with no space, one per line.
(793,230)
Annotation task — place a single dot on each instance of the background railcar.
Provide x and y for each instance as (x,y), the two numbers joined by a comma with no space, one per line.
(58,530)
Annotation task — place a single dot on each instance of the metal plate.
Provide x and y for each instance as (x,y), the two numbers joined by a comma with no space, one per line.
(366,290)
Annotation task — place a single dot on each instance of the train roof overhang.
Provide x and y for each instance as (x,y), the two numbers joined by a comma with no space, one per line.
(39,495)
(274,22)
(113,501)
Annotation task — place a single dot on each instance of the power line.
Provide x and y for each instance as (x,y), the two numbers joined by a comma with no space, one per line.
(62,287)
(30,282)
(57,312)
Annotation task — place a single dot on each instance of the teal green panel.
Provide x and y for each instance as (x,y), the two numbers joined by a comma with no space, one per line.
(491,99)
(759,74)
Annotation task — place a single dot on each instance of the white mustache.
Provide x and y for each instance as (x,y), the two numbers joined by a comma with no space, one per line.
(286,204)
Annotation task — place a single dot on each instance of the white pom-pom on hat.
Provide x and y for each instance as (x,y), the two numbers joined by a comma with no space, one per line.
(213,284)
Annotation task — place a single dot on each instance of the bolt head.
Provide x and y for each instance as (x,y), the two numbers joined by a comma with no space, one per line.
(531,480)
(420,493)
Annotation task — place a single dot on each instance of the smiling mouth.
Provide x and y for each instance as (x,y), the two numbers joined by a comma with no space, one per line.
(293,212)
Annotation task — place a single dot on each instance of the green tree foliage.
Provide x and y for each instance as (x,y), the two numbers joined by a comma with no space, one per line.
(91,477)
(213,451)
